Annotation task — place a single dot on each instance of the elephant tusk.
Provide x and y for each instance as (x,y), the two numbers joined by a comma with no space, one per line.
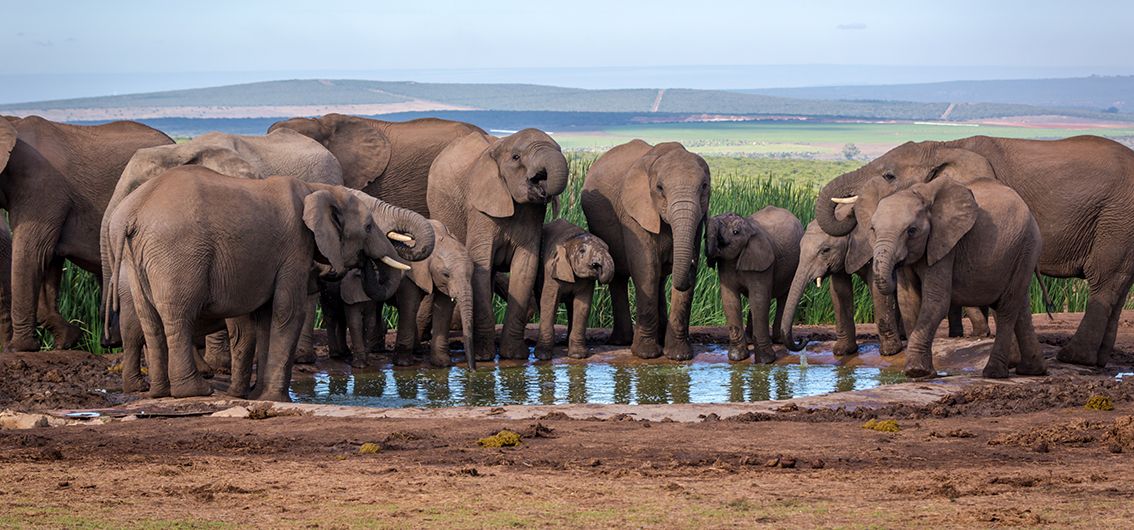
(398,237)
(394,263)
(844,200)
(818,282)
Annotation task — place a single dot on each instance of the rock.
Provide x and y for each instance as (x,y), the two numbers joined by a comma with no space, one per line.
(234,412)
(18,421)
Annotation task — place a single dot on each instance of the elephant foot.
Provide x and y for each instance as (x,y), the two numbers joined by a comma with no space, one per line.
(646,348)
(359,360)
(843,348)
(485,348)
(766,355)
(196,386)
(307,357)
(275,395)
(1070,354)
(134,384)
(24,344)
(620,338)
(514,349)
(995,370)
(1037,367)
(440,359)
(889,347)
(159,391)
(544,351)
(678,350)
(577,349)
(404,357)
(919,366)
(335,353)
(738,352)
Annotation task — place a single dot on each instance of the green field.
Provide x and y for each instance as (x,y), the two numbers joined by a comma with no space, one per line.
(806,139)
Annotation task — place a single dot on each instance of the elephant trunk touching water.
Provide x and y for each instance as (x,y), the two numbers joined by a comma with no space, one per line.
(802,278)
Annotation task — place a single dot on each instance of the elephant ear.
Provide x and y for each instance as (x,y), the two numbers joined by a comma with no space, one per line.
(487,191)
(322,216)
(362,150)
(224,161)
(758,253)
(859,251)
(350,288)
(7,142)
(952,214)
(637,200)
(961,165)
(561,266)
(421,276)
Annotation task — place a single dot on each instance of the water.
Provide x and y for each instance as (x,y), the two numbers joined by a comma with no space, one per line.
(601,381)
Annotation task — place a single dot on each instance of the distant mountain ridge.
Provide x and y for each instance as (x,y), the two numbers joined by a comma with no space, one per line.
(320,96)
(1093,93)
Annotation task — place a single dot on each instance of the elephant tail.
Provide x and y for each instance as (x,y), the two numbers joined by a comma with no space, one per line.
(1050,307)
(111,301)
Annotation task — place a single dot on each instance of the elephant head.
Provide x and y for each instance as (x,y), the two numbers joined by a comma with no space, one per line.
(527,167)
(904,166)
(923,222)
(730,237)
(820,254)
(669,184)
(449,272)
(583,256)
(361,147)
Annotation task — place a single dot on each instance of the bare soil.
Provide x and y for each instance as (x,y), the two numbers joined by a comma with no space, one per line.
(985,455)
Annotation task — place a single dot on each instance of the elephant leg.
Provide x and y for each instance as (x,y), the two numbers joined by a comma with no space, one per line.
(439,344)
(909,295)
(644,271)
(841,288)
(375,330)
(217,353)
(623,331)
(31,255)
(409,298)
(425,319)
(521,286)
(1109,278)
(156,347)
(779,319)
(956,326)
(663,310)
(356,328)
(577,325)
(305,348)
(548,302)
(936,291)
(1107,347)
(484,334)
(1031,360)
(886,315)
(1000,359)
(759,304)
(133,347)
(733,310)
(288,305)
(66,334)
(978,319)
(677,347)
(334,320)
(184,379)
(242,331)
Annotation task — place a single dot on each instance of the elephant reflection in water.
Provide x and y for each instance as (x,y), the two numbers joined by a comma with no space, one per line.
(663,385)
(514,382)
(749,383)
(480,387)
(845,379)
(623,385)
(545,375)
(577,383)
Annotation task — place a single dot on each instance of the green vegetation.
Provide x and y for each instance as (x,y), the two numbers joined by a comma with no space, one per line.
(741,185)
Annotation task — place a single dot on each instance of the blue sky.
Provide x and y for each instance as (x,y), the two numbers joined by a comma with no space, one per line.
(150,38)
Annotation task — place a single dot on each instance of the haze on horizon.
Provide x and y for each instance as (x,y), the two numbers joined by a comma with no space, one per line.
(58,49)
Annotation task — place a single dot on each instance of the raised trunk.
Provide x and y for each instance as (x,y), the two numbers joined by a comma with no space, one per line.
(798,285)
(684,220)
(555,164)
(408,222)
(845,185)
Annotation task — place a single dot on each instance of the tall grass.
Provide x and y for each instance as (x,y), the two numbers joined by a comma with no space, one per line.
(739,185)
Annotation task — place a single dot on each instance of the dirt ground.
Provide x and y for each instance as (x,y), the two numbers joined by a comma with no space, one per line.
(984,455)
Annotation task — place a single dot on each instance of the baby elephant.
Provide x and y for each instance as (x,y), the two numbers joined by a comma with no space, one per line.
(973,244)
(755,256)
(572,259)
(447,275)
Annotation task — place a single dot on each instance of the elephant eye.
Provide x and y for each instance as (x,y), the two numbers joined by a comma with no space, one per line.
(911,230)
(824,250)
(888,176)
(369,227)
(516,157)
(445,274)
(659,187)
(735,232)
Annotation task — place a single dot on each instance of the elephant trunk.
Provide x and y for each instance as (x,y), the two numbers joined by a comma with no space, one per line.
(685,221)
(554,164)
(465,311)
(409,223)
(606,273)
(884,267)
(803,277)
(845,185)
(380,282)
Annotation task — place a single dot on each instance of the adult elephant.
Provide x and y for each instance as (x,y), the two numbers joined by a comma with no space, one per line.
(1080,190)
(492,194)
(650,203)
(283,152)
(388,160)
(55,183)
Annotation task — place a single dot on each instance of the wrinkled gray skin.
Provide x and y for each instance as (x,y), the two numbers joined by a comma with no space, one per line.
(649,203)
(492,195)
(1080,190)
(446,279)
(190,267)
(55,181)
(973,244)
(572,259)
(387,160)
(756,257)
(66,334)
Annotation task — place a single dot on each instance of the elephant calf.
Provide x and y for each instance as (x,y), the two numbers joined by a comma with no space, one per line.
(447,276)
(571,259)
(966,245)
(755,256)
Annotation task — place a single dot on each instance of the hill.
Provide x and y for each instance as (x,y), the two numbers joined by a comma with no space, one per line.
(1094,93)
(311,97)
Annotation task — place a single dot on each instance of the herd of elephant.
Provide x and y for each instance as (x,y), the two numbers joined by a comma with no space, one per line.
(230,242)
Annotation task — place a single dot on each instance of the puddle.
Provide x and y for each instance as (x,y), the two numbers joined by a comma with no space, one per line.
(601,380)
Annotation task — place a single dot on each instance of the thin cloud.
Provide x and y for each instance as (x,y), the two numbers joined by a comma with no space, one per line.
(851,26)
